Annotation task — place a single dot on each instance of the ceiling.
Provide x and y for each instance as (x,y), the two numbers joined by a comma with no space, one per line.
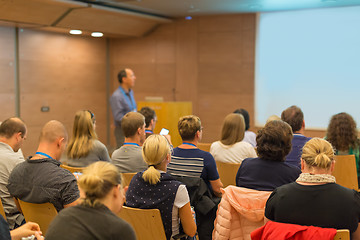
(182,8)
(134,18)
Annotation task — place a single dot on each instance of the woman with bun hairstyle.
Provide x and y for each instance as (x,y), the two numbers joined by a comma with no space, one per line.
(315,199)
(155,189)
(95,217)
(84,148)
(343,135)
(231,148)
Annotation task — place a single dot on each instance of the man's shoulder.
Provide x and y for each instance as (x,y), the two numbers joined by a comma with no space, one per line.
(126,150)
(192,153)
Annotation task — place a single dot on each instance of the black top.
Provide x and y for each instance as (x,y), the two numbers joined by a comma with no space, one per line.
(161,196)
(4,229)
(329,206)
(83,222)
(265,175)
(43,180)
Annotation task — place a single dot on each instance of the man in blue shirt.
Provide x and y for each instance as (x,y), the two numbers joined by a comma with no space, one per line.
(122,101)
(295,118)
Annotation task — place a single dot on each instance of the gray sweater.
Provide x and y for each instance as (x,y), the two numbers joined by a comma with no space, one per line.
(98,153)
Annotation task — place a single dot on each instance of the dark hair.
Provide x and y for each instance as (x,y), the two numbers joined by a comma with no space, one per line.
(131,122)
(342,132)
(246,117)
(121,75)
(274,141)
(149,115)
(294,117)
(12,126)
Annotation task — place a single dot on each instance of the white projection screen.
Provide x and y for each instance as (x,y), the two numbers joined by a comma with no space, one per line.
(311,59)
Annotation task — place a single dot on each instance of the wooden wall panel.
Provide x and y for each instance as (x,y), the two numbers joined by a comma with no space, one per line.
(208,61)
(7,84)
(63,72)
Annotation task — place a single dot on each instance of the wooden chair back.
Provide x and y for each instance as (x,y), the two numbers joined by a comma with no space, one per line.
(147,223)
(204,146)
(41,214)
(2,211)
(126,178)
(342,234)
(72,169)
(227,172)
(345,171)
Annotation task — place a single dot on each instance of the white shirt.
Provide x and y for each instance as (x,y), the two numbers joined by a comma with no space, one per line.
(250,137)
(232,153)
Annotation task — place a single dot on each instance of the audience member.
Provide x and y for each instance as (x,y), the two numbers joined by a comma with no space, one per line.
(150,120)
(95,217)
(250,137)
(343,135)
(40,178)
(12,135)
(231,148)
(269,170)
(315,199)
(188,160)
(128,158)
(272,118)
(122,101)
(24,231)
(84,148)
(154,188)
(295,118)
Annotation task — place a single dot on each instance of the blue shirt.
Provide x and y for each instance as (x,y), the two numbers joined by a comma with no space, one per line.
(265,175)
(121,104)
(193,163)
(298,143)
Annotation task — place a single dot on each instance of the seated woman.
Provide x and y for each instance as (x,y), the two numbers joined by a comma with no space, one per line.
(95,217)
(231,148)
(343,136)
(315,199)
(84,148)
(154,188)
(269,170)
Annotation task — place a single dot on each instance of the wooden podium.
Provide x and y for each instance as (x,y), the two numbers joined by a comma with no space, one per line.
(168,114)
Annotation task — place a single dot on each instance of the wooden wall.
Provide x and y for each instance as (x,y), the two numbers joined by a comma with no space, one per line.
(208,61)
(65,73)
(7,80)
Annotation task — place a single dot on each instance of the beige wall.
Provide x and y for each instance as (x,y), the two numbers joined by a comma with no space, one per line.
(66,73)
(208,61)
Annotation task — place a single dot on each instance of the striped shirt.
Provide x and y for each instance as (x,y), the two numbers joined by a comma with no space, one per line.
(193,163)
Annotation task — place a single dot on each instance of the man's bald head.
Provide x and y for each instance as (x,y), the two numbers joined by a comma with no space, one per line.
(52,131)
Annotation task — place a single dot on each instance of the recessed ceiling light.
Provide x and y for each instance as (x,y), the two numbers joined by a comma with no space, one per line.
(97,34)
(76,32)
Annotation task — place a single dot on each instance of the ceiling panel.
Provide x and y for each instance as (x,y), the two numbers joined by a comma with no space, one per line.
(110,21)
(36,12)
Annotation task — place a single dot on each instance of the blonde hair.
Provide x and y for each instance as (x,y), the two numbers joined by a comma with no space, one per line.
(81,142)
(272,118)
(233,129)
(97,180)
(318,152)
(188,126)
(154,151)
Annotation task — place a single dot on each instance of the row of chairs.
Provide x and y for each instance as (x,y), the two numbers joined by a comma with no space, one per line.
(147,223)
